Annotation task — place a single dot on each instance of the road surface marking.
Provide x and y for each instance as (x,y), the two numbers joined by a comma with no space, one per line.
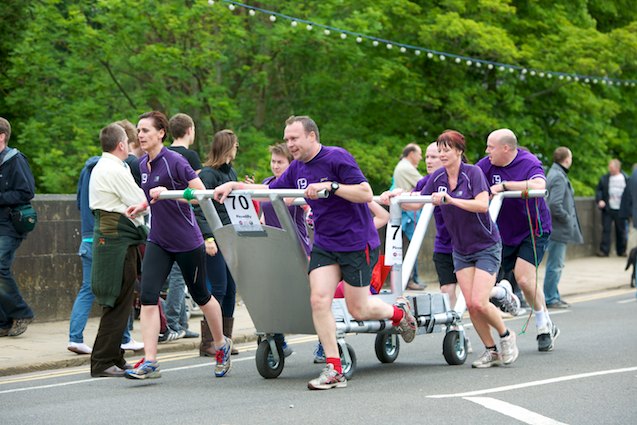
(535,383)
(84,381)
(513,411)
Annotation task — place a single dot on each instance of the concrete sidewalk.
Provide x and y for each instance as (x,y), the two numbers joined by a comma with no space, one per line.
(43,345)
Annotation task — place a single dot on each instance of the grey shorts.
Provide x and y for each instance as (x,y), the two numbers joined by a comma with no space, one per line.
(488,259)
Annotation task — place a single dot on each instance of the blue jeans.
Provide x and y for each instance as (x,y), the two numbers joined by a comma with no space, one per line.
(556,252)
(221,283)
(175,307)
(12,305)
(84,300)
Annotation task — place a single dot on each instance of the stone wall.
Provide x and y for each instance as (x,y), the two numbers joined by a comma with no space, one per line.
(49,271)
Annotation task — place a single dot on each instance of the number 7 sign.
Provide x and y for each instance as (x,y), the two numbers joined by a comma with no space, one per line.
(393,245)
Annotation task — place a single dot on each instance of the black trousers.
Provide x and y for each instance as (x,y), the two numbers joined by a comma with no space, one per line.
(608,218)
(106,349)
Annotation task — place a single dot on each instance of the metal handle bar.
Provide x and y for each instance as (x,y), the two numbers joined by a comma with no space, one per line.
(535,193)
(254,193)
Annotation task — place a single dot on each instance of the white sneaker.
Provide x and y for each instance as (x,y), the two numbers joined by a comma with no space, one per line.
(487,359)
(132,345)
(511,302)
(79,348)
(509,348)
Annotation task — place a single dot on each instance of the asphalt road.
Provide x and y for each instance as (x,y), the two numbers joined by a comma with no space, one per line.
(590,378)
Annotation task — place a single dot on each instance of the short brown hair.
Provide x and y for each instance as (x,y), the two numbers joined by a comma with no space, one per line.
(5,128)
(308,124)
(412,147)
(160,122)
(111,136)
(179,125)
(281,149)
(560,154)
(222,144)
(131,132)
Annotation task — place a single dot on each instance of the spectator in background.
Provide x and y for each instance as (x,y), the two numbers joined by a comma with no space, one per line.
(112,190)
(84,299)
(628,209)
(405,177)
(608,195)
(566,226)
(18,188)
(218,170)
(134,150)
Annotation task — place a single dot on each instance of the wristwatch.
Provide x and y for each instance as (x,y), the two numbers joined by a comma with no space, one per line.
(334,187)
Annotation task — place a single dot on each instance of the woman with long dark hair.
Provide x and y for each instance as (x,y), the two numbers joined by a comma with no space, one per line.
(218,170)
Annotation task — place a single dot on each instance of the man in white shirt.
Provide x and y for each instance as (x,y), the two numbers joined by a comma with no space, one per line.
(112,189)
(406,176)
(608,196)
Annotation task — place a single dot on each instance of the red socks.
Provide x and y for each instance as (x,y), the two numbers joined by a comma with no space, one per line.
(336,362)
(397,316)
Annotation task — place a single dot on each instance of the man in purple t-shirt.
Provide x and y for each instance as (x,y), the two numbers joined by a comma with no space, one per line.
(346,244)
(508,167)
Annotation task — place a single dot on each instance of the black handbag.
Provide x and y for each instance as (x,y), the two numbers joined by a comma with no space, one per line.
(24,218)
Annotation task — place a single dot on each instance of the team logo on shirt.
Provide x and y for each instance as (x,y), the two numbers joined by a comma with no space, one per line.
(144,178)
(497,179)
(301,183)
(442,189)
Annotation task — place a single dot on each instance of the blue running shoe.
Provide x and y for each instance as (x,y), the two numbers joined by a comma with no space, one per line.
(319,354)
(223,359)
(144,370)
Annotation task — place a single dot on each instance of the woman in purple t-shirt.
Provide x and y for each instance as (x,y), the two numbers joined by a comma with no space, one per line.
(174,236)
(462,193)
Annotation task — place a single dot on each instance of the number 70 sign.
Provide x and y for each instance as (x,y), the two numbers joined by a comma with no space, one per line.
(242,213)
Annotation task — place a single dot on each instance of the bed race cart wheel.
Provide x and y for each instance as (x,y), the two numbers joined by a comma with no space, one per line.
(267,366)
(387,347)
(454,348)
(349,365)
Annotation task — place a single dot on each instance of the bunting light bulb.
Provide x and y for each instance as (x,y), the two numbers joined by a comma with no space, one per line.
(442,56)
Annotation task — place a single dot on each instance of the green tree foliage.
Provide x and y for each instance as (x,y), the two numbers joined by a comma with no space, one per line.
(71,67)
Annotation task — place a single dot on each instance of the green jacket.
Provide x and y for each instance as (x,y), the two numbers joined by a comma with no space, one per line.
(112,235)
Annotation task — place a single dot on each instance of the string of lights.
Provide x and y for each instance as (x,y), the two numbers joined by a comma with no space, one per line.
(429,53)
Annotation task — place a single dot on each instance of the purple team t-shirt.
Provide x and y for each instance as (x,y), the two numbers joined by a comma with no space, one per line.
(297,214)
(172,223)
(470,232)
(513,220)
(339,225)
(442,241)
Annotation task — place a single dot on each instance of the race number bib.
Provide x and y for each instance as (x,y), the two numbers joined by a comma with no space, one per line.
(242,213)
(393,245)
